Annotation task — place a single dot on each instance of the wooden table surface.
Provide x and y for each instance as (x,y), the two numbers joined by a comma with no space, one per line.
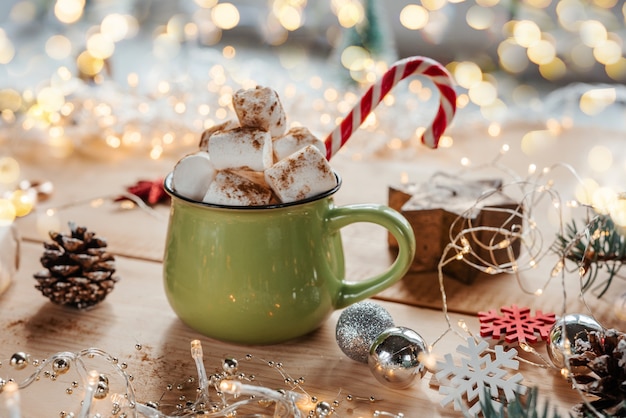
(136,314)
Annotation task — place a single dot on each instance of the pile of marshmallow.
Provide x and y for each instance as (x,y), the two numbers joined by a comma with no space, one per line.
(254,162)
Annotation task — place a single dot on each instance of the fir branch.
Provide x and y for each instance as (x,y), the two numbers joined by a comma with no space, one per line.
(521,407)
(596,247)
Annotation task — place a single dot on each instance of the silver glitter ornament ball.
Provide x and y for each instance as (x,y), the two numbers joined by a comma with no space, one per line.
(395,357)
(563,336)
(358,325)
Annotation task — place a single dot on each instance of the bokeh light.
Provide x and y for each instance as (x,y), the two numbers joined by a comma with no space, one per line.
(480,18)
(414,16)
(594,101)
(225,15)
(58,47)
(69,11)
(100,46)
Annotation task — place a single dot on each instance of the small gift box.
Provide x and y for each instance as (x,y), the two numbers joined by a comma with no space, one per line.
(474,215)
(9,255)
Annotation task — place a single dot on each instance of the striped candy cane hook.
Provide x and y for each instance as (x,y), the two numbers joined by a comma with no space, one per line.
(377,92)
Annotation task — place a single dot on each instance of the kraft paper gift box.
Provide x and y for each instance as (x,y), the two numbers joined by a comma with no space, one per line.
(438,210)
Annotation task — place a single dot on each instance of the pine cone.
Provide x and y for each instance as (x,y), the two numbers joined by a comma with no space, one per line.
(605,355)
(79,270)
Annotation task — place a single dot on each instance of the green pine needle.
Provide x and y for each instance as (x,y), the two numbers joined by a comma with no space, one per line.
(522,408)
(596,247)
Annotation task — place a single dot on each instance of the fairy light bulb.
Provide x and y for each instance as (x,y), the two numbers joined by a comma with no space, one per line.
(92,383)
(198,356)
(23,202)
(9,170)
(7,212)
(11,395)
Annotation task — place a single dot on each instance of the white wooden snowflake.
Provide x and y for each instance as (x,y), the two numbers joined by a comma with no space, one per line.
(478,373)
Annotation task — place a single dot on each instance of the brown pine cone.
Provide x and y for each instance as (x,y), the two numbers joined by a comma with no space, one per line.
(79,271)
(605,356)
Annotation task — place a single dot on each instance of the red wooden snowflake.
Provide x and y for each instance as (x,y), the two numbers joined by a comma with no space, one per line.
(150,191)
(516,324)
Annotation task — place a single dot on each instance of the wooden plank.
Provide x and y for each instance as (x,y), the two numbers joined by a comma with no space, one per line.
(137,312)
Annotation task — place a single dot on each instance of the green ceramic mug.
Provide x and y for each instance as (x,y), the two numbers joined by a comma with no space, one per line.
(263,275)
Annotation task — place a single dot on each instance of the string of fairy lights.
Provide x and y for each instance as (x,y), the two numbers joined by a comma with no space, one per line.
(231,391)
(83,104)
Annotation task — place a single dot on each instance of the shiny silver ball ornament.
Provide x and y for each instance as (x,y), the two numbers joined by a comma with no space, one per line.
(395,357)
(230,365)
(19,360)
(60,365)
(358,325)
(102,389)
(563,335)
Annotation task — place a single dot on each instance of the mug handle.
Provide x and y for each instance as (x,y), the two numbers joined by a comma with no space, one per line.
(390,219)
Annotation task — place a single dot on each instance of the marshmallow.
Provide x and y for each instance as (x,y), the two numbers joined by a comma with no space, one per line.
(260,108)
(231,189)
(303,174)
(224,126)
(241,148)
(294,140)
(193,174)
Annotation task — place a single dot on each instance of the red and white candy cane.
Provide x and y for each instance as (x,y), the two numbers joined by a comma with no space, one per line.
(376,93)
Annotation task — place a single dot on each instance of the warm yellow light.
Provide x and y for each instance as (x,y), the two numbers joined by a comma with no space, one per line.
(593,33)
(225,15)
(414,17)
(290,17)
(595,101)
(355,58)
(603,200)
(100,46)
(10,100)
(229,52)
(88,64)
(480,18)
(608,52)
(526,33)
(23,202)
(69,11)
(553,70)
(7,212)
(9,170)
(434,4)
(350,14)
(207,4)
(468,74)
(534,142)
(617,70)
(115,26)
(483,93)
(50,99)
(538,4)
(541,52)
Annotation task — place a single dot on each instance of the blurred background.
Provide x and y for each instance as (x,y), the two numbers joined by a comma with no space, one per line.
(152,74)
